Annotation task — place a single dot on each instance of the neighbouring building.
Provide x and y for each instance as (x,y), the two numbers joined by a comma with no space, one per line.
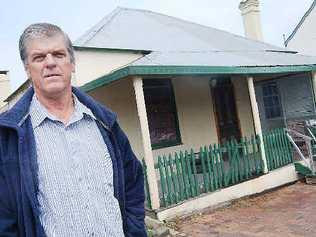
(303,37)
(4,88)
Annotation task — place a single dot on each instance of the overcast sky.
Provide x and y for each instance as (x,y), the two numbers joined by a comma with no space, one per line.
(278,17)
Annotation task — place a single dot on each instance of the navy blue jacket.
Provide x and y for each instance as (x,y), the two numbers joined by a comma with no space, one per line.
(19,207)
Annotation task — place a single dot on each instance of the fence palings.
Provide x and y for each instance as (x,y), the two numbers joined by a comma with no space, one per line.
(278,149)
(148,201)
(197,185)
(187,174)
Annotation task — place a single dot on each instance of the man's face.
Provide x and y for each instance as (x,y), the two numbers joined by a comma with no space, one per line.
(49,67)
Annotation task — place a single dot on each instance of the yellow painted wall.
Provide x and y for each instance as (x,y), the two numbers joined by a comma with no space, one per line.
(194,106)
(92,64)
(195,111)
(120,98)
(243,106)
(195,114)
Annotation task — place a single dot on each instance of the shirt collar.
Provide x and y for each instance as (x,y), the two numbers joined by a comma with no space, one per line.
(39,113)
(80,111)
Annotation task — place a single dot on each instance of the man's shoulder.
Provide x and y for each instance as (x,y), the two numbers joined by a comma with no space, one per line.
(19,109)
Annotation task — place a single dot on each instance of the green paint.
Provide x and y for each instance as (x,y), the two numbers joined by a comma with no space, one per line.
(148,200)
(191,70)
(179,179)
(179,176)
(168,179)
(162,182)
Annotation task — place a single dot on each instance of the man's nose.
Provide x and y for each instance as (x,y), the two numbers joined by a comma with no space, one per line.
(50,60)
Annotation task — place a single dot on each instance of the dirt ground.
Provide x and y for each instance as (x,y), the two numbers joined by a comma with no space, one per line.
(289,211)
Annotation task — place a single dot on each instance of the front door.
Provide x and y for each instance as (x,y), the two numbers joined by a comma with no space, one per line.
(225,110)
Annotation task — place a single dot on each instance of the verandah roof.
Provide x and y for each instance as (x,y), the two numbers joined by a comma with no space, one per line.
(210,62)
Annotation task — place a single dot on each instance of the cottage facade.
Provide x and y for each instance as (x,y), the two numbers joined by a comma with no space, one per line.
(184,85)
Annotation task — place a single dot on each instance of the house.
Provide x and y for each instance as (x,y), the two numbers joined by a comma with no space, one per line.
(179,88)
(12,98)
(182,85)
(4,88)
(302,38)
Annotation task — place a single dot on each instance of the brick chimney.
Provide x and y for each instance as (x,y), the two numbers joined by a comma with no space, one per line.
(4,87)
(251,17)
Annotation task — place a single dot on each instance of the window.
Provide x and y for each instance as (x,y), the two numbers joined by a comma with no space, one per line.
(271,100)
(161,112)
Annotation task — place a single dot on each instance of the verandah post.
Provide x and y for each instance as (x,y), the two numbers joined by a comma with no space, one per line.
(256,120)
(148,155)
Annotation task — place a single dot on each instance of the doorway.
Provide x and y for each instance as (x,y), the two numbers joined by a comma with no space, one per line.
(227,121)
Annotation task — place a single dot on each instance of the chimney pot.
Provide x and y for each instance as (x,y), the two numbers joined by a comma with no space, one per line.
(250,12)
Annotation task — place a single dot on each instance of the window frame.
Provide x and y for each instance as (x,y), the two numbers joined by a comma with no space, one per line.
(272,95)
(167,83)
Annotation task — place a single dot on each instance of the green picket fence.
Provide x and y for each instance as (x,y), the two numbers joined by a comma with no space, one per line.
(278,149)
(187,174)
(147,195)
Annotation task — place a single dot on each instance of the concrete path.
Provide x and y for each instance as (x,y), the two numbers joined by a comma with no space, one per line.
(289,211)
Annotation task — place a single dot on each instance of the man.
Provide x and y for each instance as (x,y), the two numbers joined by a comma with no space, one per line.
(66,167)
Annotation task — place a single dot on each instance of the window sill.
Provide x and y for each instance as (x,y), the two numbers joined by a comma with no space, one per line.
(165,145)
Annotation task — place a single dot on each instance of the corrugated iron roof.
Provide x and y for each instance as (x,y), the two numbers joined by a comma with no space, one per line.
(224,58)
(180,47)
(126,28)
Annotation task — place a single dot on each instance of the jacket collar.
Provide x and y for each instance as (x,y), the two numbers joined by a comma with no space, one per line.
(20,111)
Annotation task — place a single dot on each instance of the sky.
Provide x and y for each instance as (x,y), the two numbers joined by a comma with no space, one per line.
(278,17)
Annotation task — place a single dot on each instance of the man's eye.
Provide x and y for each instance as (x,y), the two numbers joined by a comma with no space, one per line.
(38,58)
(59,55)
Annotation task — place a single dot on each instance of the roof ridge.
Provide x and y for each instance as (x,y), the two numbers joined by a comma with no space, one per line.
(110,16)
(91,32)
(300,23)
(204,26)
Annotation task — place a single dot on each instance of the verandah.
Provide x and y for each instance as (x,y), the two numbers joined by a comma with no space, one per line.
(187,174)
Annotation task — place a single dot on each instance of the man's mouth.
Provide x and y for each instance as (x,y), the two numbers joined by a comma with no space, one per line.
(52,75)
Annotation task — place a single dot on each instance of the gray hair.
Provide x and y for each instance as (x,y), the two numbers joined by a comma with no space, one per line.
(43,30)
